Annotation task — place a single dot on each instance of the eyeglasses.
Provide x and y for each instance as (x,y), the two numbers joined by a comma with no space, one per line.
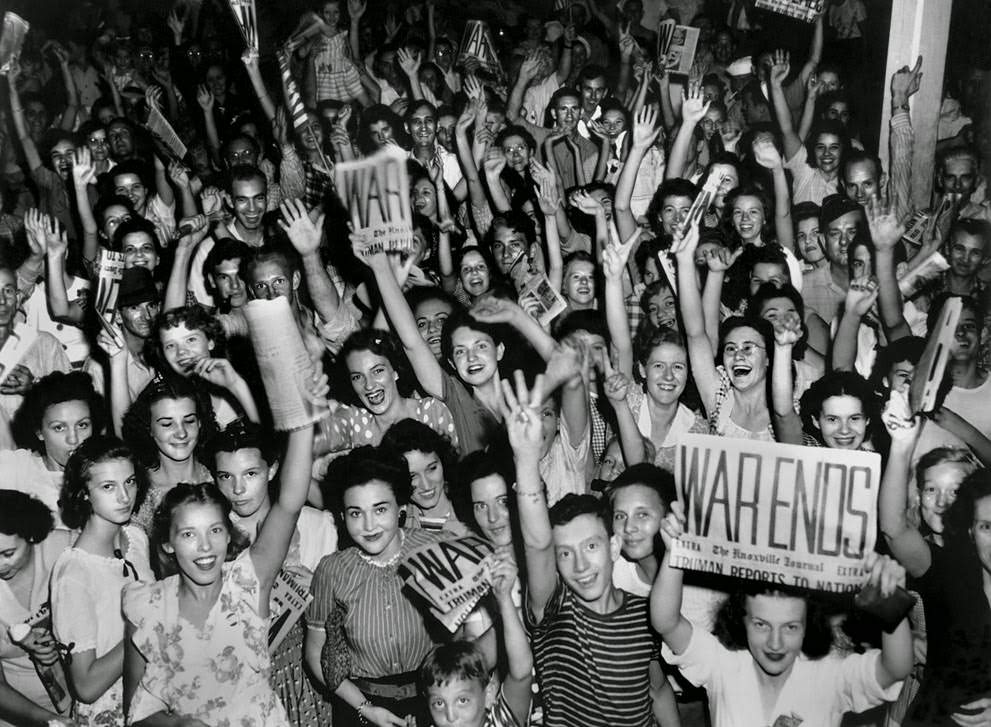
(277,286)
(747,349)
(97,140)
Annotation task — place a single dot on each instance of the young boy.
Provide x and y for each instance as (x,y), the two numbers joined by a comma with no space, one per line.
(454,677)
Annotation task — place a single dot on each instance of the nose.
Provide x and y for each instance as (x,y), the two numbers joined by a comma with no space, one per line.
(628,525)
(203,544)
(581,562)
(239,487)
(666,374)
(269,293)
(72,437)
(180,430)
(492,517)
(449,713)
(774,640)
(123,497)
(369,385)
(368,521)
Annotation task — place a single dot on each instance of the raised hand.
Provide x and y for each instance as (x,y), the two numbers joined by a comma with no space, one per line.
(473,88)
(250,58)
(495,162)
(787,329)
(408,62)
(495,310)
(780,67)
(521,412)
(34,227)
(720,259)
(885,227)
(673,525)
(898,419)
(617,387)
(616,254)
(685,243)
(883,572)
(280,126)
(503,572)
(356,8)
(304,234)
(175,23)
(56,241)
(731,133)
(905,82)
(83,171)
(645,128)
(548,196)
(217,371)
(585,202)
(860,296)
(467,117)
(153,97)
(694,106)
(765,152)
(179,175)
(204,97)
(530,66)
(194,230)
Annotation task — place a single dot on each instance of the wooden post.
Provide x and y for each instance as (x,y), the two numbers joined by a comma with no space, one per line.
(918,27)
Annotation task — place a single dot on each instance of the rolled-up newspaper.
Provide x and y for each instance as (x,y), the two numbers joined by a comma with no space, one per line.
(15,29)
(927,270)
(284,363)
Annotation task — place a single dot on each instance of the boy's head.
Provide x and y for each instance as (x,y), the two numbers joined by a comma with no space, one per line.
(968,247)
(896,362)
(584,545)
(454,681)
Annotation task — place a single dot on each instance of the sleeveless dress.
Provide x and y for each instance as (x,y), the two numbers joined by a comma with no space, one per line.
(218,674)
(336,76)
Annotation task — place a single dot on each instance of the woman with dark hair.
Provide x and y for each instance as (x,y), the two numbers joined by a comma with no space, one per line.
(169,426)
(430,457)
(29,547)
(771,302)
(840,411)
(364,637)
(381,389)
(213,664)
(475,274)
(58,413)
(768,660)
(103,485)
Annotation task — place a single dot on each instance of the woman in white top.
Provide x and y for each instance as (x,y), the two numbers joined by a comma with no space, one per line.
(103,485)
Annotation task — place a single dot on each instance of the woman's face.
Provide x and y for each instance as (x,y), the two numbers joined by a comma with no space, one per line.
(810,241)
(517,153)
(61,156)
(216,81)
(427,475)
(674,211)
(665,373)
(373,380)
(730,181)
(430,315)
(242,476)
(748,218)
(139,251)
(112,488)
(475,276)
(579,283)
(745,357)
(612,464)
(199,538)
(490,505)
(842,422)
(775,308)
(827,152)
(662,309)
(371,515)
(475,356)
(775,627)
(651,271)
(15,553)
(637,515)
(175,427)
(381,133)
(938,490)
(614,123)
(98,146)
(330,13)
(64,426)
(184,347)
(424,197)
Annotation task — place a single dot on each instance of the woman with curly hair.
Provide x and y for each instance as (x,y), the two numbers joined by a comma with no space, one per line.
(29,546)
(430,457)
(103,485)
(59,413)
(378,393)
(169,427)
(769,659)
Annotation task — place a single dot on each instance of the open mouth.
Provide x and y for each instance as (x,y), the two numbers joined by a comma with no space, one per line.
(373,538)
(205,564)
(667,388)
(433,341)
(376,397)
(774,657)
(741,371)
(475,369)
(587,581)
(844,442)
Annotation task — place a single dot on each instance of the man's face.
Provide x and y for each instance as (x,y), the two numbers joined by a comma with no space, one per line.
(723,47)
(8,298)
(249,197)
(966,343)
(567,112)
(957,178)
(268,280)
(121,141)
(227,280)
(593,91)
(674,211)
(839,235)
(860,182)
(422,126)
(138,319)
(828,82)
(585,555)
(445,131)
(967,254)
(240,151)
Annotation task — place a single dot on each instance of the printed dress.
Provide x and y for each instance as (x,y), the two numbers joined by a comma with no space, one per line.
(336,76)
(218,674)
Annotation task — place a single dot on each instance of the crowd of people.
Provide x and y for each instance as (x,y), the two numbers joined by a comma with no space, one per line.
(522,372)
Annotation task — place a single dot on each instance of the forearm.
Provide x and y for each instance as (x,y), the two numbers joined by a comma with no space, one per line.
(782,210)
(783,114)
(689,298)
(57,297)
(808,117)
(245,398)
(175,290)
(680,149)
(845,342)
(497,195)
(892,501)
(555,263)
(623,78)
(90,681)
(536,336)
(324,295)
(519,658)
(261,92)
(212,136)
(902,150)
(787,424)
(897,655)
(20,126)
(120,395)
(889,299)
(667,108)
(564,64)
(630,439)
(515,102)
(711,300)
(162,185)
(619,326)
(187,201)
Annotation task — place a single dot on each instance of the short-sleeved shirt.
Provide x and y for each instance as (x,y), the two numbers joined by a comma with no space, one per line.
(565,466)
(352,426)
(45,357)
(817,693)
(593,669)
(808,183)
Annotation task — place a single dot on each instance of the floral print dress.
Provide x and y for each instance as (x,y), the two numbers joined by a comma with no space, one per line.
(219,673)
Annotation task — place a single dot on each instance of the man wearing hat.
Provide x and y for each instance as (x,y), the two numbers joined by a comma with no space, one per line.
(840,221)
(138,305)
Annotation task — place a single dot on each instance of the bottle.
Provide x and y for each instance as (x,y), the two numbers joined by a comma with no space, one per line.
(52,675)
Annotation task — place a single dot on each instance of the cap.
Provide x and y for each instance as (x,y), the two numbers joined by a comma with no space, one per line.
(136,286)
(834,206)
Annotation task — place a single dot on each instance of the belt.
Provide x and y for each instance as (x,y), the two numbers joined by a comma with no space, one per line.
(390,687)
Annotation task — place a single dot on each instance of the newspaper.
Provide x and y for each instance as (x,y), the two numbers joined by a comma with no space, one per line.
(477,43)
(109,271)
(286,605)
(247,22)
(284,363)
(15,29)
(807,10)
(926,271)
(376,191)
(928,376)
(541,301)
(160,127)
(676,46)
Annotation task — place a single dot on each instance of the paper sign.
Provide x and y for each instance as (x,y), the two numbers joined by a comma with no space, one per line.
(450,575)
(284,363)
(109,271)
(376,191)
(477,43)
(287,602)
(807,10)
(927,270)
(16,347)
(541,301)
(929,371)
(160,127)
(679,47)
(15,29)
(670,272)
(780,513)
(244,16)
(703,200)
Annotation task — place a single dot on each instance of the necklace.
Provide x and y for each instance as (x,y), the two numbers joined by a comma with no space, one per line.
(392,561)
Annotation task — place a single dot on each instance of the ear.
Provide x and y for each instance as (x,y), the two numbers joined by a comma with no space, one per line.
(615,547)
(209,345)
(296,280)
(227,199)
(883,181)
(815,423)
(167,547)
(642,371)
(273,470)
(500,351)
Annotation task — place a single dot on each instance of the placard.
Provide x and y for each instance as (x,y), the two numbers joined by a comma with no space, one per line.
(541,301)
(477,43)
(376,191)
(806,10)
(929,371)
(676,49)
(15,29)
(287,602)
(779,513)
(450,575)
(109,272)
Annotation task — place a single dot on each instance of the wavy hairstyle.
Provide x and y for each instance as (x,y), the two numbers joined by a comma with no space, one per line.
(74,502)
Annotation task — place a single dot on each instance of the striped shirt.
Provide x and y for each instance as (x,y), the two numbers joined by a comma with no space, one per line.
(593,668)
(383,631)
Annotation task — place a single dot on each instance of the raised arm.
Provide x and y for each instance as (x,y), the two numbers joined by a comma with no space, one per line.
(614,259)
(904,84)
(815,51)
(162,185)
(860,297)
(693,110)
(905,541)
(897,654)
(767,155)
(305,233)
(886,232)
(410,65)
(20,126)
(519,659)
(787,423)
(68,121)
(56,244)
(522,417)
(250,60)
(617,387)
(196,228)
(83,175)
(643,135)
(665,596)
(779,72)
(204,97)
